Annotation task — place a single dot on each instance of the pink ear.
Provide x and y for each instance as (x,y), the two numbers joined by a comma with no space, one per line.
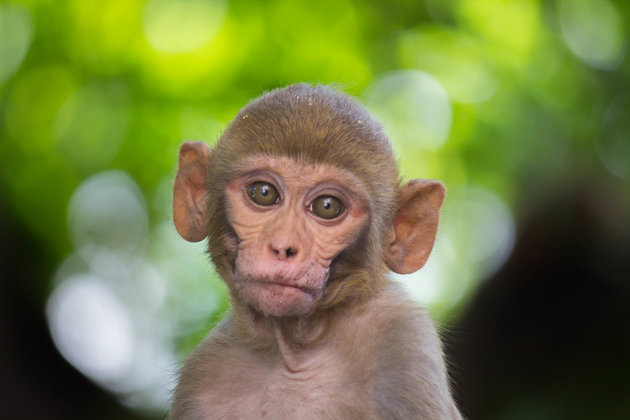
(415,226)
(189,193)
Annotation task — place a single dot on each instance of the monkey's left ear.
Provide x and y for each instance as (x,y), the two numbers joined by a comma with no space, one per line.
(189,193)
(415,227)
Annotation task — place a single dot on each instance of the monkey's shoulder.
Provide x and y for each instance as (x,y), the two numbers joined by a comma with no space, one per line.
(217,379)
(392,318)
(220,352)
(409,371)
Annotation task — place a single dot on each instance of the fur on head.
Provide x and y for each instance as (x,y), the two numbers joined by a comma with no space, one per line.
(312,124)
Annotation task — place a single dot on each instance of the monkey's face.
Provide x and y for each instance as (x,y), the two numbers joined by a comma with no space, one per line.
(277,224)
(291,220)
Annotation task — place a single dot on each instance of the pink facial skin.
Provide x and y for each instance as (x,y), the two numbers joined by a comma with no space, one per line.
(284,250)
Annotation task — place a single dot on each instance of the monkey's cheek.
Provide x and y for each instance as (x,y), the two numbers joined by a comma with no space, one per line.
(278,300)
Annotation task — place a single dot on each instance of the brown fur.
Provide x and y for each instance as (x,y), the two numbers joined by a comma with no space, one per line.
(300,121)
(366,351)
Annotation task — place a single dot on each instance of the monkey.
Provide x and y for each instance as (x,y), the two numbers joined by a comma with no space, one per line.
(305,215)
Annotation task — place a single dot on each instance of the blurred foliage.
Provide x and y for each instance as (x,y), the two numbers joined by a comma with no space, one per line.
(492,96)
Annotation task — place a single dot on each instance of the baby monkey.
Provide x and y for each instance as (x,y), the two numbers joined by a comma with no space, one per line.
(305,215)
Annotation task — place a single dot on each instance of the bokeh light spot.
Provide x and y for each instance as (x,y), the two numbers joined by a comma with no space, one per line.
(16,34)
(36,97)
(184,25)
(430,284)
(107,211)
(613,147)
(475,237)
(194,285)
(481,226)
(91,327)
(92,124)
(105,36)
(513,24)
(594,31)
(413,107)
(108,271)
(455,60)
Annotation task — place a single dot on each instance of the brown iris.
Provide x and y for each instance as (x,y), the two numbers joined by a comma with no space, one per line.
(327,207)
(263,193)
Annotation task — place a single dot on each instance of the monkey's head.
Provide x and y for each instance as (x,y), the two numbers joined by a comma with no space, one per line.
(302,204)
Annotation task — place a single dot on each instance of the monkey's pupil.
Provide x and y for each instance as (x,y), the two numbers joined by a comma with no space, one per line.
(327,204)
(265,190)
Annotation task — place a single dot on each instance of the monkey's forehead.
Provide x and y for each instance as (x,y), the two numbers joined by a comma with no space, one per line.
(289,167)
(315,123)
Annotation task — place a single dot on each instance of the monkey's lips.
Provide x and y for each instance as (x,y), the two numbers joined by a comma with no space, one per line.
(279,289)
(281,284)
(278,297)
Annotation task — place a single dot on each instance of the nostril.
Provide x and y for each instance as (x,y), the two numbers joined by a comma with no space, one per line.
(282,252)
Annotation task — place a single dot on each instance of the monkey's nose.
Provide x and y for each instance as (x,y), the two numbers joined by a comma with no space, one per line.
(283,252)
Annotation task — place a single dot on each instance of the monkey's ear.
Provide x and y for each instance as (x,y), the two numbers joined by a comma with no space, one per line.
(189,194)
(415,227)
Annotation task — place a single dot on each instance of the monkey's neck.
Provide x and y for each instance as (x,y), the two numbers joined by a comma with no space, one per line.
(293,356)
(290,336)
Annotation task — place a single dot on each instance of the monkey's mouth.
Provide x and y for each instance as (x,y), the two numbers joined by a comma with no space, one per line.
(278,295)
(275,280)
(280,284)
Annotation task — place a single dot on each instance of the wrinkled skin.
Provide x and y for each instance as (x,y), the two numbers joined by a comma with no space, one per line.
(284,251)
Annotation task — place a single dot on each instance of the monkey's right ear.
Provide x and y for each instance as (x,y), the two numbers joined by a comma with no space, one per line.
(189,194)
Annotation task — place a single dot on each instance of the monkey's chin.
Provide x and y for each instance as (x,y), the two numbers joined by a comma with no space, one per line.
(279,300)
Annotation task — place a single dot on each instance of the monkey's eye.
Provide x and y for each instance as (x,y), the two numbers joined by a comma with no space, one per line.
(263,193)
(327,207)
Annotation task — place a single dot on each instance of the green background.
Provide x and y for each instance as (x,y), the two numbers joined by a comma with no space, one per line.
(505,101)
